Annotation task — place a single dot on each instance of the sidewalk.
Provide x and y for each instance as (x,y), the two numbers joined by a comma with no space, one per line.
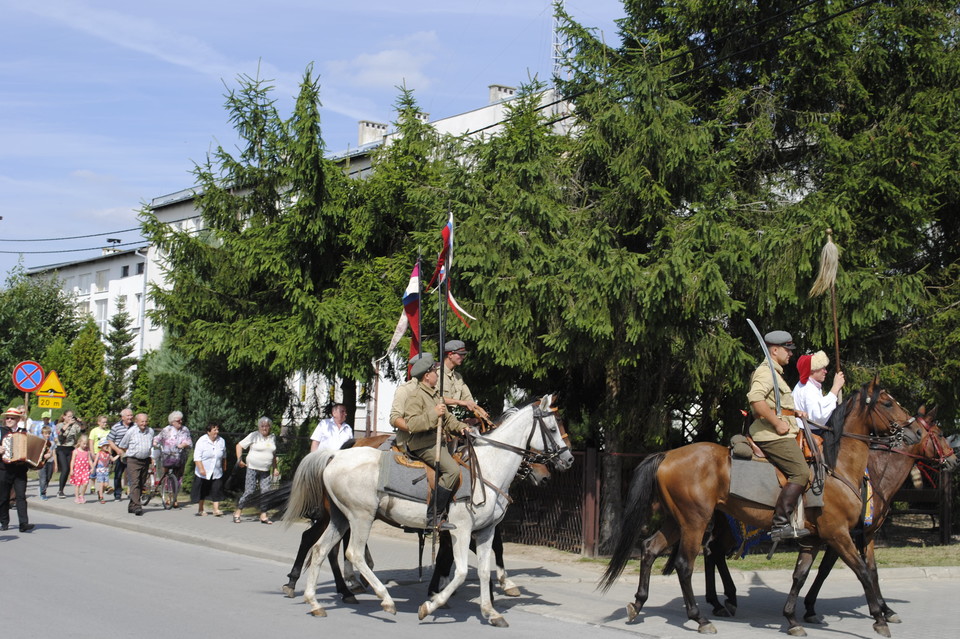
(555,584)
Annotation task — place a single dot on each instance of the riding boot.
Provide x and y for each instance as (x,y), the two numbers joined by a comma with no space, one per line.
(439,505)
(782,528)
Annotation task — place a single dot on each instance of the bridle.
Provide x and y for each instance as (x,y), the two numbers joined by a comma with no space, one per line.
(895,429)
(927,439)
(528,454)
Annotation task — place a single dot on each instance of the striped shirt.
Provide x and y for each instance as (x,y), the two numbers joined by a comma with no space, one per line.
(137,443)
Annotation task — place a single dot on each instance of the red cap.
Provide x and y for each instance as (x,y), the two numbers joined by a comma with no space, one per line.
(803,367)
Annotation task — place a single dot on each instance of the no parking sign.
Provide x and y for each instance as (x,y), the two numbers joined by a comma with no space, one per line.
(27,376)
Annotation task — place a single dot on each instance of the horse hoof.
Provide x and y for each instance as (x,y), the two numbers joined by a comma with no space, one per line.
(512,592)
(730,608)
(389,607)
(814,619)
(423,611)
(707,629)
(893,618)
(289,592)
(632,611)
(797,631)
(881,629)
(318,612)
(499,622)
(349,599)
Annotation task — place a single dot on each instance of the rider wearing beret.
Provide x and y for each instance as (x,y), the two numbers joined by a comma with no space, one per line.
(776,434)
(421,413)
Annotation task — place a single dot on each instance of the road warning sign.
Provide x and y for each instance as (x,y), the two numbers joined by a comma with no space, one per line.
(51,386)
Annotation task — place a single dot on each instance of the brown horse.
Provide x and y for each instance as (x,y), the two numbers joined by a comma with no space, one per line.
(888,467)
(688,501)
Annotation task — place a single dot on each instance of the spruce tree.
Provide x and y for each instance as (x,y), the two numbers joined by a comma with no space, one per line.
(84,379)
(119,347)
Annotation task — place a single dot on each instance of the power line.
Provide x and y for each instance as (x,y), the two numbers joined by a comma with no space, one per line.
(93,248)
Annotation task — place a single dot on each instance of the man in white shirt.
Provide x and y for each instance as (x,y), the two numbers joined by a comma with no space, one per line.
(808,394)
(332,433)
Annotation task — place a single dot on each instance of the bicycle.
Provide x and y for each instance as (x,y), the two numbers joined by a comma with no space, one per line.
(168,486)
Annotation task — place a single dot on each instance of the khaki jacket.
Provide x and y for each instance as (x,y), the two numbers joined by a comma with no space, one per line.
(761,390)
(418,411)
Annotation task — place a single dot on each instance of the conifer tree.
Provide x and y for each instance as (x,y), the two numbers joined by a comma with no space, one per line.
(119,347)
(84,378)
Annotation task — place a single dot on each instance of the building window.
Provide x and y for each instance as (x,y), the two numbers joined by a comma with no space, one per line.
(103,277)
(139,268)
(100,315)
(86,279)
(125,271)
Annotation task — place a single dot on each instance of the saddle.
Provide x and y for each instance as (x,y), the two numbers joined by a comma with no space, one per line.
(754,478)
(409,478)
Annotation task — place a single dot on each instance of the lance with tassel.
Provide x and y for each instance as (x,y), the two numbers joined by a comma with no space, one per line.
(827,281)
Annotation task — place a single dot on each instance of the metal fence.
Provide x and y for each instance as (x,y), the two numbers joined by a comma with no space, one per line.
(550,515)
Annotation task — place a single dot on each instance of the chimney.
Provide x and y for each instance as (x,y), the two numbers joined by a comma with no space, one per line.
(371,132)
(498,93)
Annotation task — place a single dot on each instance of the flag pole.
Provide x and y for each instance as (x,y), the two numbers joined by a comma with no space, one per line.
(441,304)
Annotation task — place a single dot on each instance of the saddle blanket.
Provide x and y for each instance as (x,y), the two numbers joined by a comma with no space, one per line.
(410,482)
(757,481)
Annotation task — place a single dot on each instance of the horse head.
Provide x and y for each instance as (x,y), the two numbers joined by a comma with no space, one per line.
(534,473)
(884,415)
(554,439)
(927,440)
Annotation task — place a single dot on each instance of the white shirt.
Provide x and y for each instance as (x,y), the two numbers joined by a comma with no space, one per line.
(210,454)
(330,436)
(810,399)
(262,450)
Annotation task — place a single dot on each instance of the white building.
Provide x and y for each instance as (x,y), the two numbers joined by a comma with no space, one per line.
(100,283)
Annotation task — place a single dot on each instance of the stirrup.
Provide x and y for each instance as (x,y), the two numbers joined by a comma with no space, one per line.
(787,532)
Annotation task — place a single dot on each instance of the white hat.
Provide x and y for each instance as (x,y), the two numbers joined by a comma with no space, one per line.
(819,360)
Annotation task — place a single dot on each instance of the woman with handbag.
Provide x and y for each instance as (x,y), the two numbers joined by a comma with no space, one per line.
(173,441)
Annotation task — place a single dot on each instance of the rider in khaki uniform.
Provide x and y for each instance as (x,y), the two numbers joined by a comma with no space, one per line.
(455,390)
(422,412)
(776,435)
(405,391)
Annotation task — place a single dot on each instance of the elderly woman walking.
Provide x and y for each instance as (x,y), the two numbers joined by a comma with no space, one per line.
(261,463)
(173,442)
(210,460)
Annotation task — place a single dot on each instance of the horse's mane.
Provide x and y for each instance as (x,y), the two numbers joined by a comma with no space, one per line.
(833,433)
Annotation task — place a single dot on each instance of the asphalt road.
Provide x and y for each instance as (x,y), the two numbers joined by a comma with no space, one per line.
(89,570)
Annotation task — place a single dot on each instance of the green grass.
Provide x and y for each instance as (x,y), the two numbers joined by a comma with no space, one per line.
(905,556)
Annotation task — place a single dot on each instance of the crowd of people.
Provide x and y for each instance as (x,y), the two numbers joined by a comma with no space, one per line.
(130,450)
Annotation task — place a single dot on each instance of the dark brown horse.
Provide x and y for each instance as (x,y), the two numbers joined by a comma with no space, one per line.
(888,467)
(687,501)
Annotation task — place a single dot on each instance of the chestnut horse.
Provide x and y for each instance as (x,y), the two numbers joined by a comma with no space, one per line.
(888,468)
(688,500)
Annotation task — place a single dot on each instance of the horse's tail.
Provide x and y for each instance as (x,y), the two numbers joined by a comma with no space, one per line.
(642,494)
(306,492)
(275,499)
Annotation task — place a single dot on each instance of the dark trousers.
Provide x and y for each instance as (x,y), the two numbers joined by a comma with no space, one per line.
(119,468)
(64,453)
(15,476)
(137,470)
(44,475)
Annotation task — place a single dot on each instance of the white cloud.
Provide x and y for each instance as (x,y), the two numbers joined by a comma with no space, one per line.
(403,61)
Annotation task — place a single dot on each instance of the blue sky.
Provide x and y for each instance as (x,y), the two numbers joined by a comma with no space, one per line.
(106,105)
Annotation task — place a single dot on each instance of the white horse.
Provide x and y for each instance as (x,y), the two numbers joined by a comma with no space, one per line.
(349,477)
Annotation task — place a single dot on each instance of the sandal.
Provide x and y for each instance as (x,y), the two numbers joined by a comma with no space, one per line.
(267,521)
(218,514)
(236,519)
(201,514)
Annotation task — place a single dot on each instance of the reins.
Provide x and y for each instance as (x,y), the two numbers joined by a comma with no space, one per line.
(528,455)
